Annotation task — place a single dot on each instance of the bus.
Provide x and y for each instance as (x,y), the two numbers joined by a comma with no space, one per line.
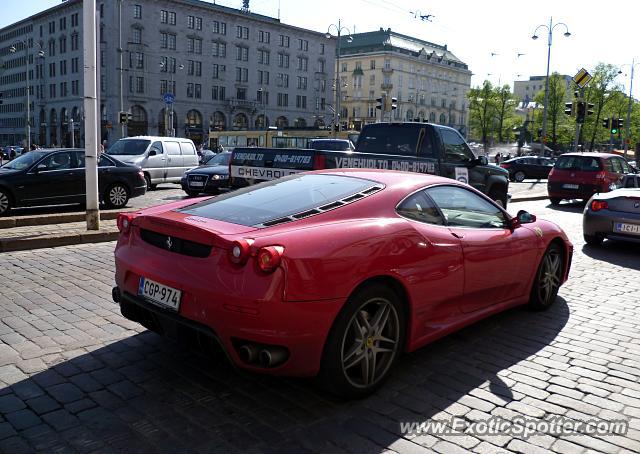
(274,138)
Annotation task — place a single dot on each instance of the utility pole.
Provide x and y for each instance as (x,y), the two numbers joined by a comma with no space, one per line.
(91,131)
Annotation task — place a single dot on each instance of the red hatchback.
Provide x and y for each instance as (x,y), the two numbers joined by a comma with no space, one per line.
(333,273)
(580,175)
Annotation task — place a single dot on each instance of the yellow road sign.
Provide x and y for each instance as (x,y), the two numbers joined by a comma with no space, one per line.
(582,78)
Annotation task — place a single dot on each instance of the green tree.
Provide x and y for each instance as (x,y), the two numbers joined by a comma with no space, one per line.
(597,92)
(555,107)
(504,105)
(481,111)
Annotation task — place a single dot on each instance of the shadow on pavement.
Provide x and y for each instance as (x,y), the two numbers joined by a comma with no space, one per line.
(573,206)
(145,393)
(621,253)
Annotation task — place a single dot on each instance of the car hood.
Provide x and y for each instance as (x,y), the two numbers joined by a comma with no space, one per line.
(8,172)
(128,159)
(622,192)
(210,170)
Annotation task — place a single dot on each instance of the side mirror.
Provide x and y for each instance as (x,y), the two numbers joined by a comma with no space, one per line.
(153,152)
(523,217)
(482,160)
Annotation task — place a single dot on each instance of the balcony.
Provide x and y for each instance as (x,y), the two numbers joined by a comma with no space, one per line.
(387,70)
(386,86)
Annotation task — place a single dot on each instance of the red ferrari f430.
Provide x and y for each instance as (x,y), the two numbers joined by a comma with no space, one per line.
(333,273)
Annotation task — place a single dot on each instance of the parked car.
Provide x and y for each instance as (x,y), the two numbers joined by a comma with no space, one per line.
(163,159)
(57,176)
(524,167)
(11,152)
(580,175)
(331,144)
(333,273)
(210,177)
(613,215)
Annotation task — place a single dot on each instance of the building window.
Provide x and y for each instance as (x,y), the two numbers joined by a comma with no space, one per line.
(263,57)
(167,17)
(241,94)
(194,23)
(218,93)
(168,41)
(137,11)
(283,99)
(75,65)
(74,41)
(217,70)
(242,74)
(344,67)
(52,70)
(74,20)
(321,66)
(284,41)
(139,84)
(242,53)
(263,77)
(372,64)
(63,89)
(136,35)
(262,97)
(219,50)
(63,67)
(136,60)
(52,48)
(301,102)
(283,80)
(303,63)
(52,27)
(189,90)
(194,45)
(264,37)
(75,88)
(219,27)
(52,90)
(194,68)
(63,23)
(283,60)
(302,83)
(242,32)
(303,44)
(321,49)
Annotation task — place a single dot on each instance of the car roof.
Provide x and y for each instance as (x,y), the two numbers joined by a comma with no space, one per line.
(330,140)
(157,138)
(394,179)
(593,155)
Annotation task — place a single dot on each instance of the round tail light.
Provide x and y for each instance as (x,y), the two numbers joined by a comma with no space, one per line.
(598,205)
(240,252)
(269,258)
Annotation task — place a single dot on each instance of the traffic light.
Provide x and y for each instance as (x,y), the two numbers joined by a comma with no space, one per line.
(381,103)
(606,123)
(620,123)
(581,111)
(614,126)
(394,103)
(568,108)
(124,117)
(590,107)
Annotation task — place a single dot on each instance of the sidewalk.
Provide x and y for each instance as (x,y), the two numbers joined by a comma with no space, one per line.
(53,230)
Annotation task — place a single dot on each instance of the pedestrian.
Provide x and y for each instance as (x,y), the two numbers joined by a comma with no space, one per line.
(101,150)
(33,147)
(498,158)
(508,156)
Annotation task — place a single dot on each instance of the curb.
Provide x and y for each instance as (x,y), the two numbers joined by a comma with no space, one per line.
(528,199)
(47,241)
(46,219)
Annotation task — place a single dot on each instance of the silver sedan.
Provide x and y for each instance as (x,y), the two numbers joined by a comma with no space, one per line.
(613,215)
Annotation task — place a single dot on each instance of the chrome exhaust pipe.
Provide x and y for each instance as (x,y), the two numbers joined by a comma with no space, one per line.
(270,357)
(248,353)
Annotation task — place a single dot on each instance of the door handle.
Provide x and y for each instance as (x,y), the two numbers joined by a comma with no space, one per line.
(458,235)
(163,159)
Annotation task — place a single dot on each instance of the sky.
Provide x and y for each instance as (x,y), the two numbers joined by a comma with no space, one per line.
(473,30)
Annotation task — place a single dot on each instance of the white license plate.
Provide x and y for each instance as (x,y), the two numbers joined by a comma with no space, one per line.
(571,186)
(196,184)
(621,227)
(160,294)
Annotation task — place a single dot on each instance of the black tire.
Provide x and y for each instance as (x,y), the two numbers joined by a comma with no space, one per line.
(344,346)
(499,196)
(593,240)
(519,176)
(555,201)
(192,193)
(150,186)
(5,202)
(548,278)
(116,196)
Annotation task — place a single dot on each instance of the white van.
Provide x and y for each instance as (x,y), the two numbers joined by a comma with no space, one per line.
(163,159)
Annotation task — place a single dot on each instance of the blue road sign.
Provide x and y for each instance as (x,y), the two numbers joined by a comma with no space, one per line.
(168,98)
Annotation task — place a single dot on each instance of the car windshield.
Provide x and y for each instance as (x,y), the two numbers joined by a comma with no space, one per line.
(128,147)
(260,204)
(583,163)
(24,161)
(221,159)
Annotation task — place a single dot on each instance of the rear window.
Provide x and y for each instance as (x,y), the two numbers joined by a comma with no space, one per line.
(332,145)
(265,202)
(583,163)
(392,139)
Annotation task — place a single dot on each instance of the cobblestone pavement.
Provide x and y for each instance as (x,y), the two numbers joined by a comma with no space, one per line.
(76,376)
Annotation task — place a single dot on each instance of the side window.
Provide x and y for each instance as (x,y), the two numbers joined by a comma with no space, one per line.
(625,166)
(420,207)
(615,165)
(80,159)
(105,162)
(172,148)
(427,148)
(455,148)
(158,147)
(463,208)
(187,148)
(56,161)
(608,166)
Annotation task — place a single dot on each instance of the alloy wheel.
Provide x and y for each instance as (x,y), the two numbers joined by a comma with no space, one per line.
(4,202)
(370,343)
(519,176)
(549,276)
(118,196)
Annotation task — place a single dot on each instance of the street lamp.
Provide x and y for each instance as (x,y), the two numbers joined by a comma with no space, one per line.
(263,100)
(171,69)
(628,131)
(336,113)
(27,126)
(550,28)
